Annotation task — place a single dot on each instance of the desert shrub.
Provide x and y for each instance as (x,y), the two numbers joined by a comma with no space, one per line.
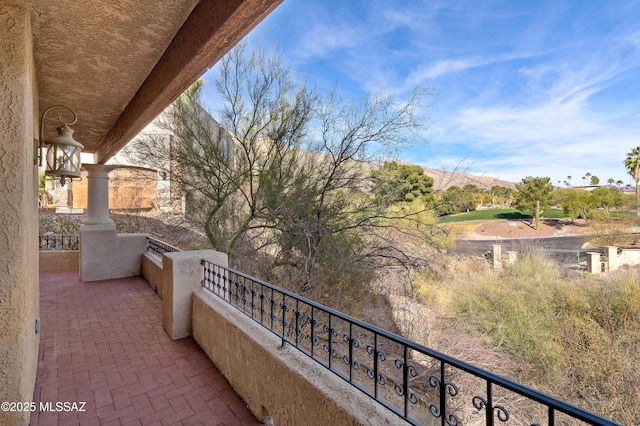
(579,333)
(610,232)
(518,312)
(601,337)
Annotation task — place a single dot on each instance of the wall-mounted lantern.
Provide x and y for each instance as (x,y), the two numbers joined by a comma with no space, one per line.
(63,152)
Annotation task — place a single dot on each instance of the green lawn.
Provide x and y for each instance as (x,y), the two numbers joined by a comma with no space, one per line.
(624,215)
(510,214)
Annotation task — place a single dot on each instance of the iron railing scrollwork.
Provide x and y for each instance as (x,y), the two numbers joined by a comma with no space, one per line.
(413,381)
(159,248)
(58,242)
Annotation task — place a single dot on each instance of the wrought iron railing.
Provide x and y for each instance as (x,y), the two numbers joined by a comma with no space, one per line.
(159,247)
(415,382)
(52,242)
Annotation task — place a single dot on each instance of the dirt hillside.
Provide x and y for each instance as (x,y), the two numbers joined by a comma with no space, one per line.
(443,179)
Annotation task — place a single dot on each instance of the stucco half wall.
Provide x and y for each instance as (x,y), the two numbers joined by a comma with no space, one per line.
(152,271)
(59,261)
(277,383)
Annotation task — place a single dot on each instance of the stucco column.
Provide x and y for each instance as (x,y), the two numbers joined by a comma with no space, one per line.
(19,288)
(612,257)
(593,262)
(104,254)
(98,194)
(98,235)
(496,256)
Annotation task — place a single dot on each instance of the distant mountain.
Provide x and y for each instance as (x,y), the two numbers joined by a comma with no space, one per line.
(443,179)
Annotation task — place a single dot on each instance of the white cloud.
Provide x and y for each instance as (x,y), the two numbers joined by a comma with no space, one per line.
(321,39)
(442,67)
(556,106)
(544,123)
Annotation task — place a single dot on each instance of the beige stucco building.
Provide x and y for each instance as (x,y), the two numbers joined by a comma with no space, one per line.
(153,151)
(117,64)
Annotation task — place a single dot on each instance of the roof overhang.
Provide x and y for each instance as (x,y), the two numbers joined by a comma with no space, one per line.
(118,64)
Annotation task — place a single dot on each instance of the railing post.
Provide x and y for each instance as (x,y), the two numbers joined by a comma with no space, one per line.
(489,407)
(284,314)
(405,380)
(443,394)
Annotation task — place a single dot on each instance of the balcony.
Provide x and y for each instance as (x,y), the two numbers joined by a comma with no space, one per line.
(124,347)
(103,346)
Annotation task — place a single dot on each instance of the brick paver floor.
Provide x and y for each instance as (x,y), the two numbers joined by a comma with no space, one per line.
(103,344)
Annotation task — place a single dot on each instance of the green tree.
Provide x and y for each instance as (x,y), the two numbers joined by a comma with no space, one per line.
(395,182)
(456,200)
(447,201)
(595,180)
(577,203)
(473,196)
(500,195)
(533,194)
(607,198)
(632,163)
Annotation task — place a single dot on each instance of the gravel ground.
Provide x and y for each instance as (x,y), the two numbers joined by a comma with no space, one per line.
(520,229)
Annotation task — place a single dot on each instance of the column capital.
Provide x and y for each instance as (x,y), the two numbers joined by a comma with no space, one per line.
(98,170)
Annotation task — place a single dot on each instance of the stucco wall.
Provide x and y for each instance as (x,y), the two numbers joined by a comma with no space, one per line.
(105,254)
(19,295)
(280,383)
(629,257)
(152,271)
(59,261)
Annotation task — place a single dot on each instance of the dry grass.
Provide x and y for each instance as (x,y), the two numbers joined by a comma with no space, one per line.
(573,336)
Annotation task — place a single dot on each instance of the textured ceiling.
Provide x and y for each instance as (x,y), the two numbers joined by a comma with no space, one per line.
(92,56)
(119,63)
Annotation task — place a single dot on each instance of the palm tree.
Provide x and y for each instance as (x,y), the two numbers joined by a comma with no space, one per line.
(611,181)
(568,182)
(584,181)
(632,163)
(619,183)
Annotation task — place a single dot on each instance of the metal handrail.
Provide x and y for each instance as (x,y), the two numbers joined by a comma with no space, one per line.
(410,379)
(55,242)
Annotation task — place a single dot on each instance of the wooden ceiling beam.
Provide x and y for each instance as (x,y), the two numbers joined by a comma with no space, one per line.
(210,31)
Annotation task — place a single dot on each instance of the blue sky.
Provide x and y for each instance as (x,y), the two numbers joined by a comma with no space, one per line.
(523,88)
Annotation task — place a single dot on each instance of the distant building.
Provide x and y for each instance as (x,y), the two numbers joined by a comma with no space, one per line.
(169,193)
